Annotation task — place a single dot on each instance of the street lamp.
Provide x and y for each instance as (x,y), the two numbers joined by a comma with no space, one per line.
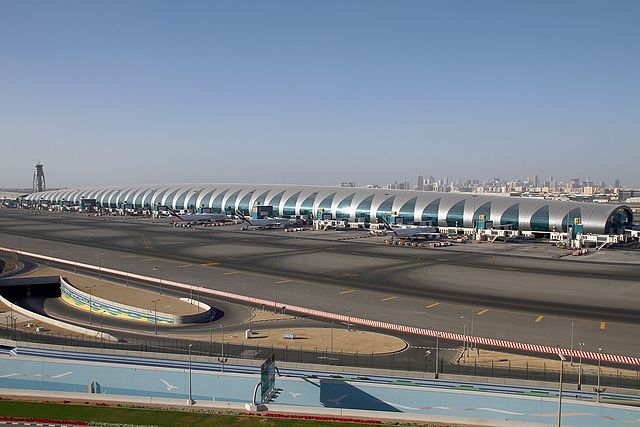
(222,360)
(437,354)
(155,316)
(99,256)
(572,325)
(190,401)
(464,337)
(275,297)
(599,389)
(581,344)
(473,315)
(90,303)
(349,322)
(562,359)
(473,216)
(155,268)
(331,343)
(211,336)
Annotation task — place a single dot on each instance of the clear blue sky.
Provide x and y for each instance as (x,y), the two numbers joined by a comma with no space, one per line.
(318,92)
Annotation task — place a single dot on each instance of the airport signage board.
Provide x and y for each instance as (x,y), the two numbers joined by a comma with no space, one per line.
(268,377)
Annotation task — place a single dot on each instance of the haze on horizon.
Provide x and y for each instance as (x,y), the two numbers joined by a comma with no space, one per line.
(124,92)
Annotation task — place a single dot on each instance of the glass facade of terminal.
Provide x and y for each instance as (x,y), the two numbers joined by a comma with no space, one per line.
(362,204)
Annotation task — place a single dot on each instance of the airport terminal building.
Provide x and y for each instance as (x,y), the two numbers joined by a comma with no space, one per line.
(460,210)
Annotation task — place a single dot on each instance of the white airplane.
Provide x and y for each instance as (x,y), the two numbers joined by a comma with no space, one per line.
(411,231)
(199,217)
(264,222)
(295,395)
(167,385)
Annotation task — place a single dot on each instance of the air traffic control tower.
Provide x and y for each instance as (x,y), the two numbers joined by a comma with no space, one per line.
(39,183)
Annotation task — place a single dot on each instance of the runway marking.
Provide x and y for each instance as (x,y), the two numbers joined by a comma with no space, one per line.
(347,292)
(442,259)
(129,256)
(388,298)
(539,318)
(147,259)
(186,265)
(146,244)
(231,272)
(483,311)
(283,281)
(211,264)
(433,305)
(603,325)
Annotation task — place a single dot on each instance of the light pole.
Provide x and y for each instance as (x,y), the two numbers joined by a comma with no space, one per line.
(562,359)
(599,389)
(99,256)
(473,216)
(464,337)
(437,354)
(211,336)
(581,344)
(572,325)
(222,360)
(349,322)
(101,329)
(155,268)
(155,316)
(90,303)
(275,297)
(331,343)
(190,395)
(473,315)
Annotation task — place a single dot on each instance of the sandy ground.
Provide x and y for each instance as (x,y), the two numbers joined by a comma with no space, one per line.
(120,293)
(500,360)
(264,323)
(23,321)
(310,338)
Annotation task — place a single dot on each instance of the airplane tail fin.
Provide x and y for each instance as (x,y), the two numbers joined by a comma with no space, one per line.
(386,224)
(242,217)
(174,213)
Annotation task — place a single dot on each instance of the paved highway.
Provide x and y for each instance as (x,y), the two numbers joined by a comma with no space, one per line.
(500,295)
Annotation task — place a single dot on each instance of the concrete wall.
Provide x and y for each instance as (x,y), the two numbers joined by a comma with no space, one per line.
(56,323)
(204,316)
(80,298)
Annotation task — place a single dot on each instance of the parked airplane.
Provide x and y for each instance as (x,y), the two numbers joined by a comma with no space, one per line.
(264,222)
(411,231)
(199,217)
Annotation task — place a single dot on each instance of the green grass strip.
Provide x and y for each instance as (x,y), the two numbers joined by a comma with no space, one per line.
(152,416)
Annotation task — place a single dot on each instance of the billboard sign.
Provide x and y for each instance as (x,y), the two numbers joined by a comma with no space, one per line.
(268,377)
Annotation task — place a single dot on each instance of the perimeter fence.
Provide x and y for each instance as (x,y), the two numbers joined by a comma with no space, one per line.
(410,360)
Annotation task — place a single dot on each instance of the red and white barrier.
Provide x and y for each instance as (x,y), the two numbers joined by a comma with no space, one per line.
(344,318)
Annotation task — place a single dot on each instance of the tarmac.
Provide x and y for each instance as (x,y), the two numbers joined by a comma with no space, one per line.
(515,291)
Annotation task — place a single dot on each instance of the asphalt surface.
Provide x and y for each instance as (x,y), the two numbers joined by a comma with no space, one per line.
(507,294)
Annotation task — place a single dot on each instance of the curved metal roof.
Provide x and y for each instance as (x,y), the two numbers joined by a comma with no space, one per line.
(452,208)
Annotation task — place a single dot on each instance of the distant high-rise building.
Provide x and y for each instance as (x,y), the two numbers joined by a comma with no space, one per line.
(39,183)
(420,183)
(535,181)
(347,184)
(616,183)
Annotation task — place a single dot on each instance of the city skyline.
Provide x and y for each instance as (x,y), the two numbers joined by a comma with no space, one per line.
(317,93)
